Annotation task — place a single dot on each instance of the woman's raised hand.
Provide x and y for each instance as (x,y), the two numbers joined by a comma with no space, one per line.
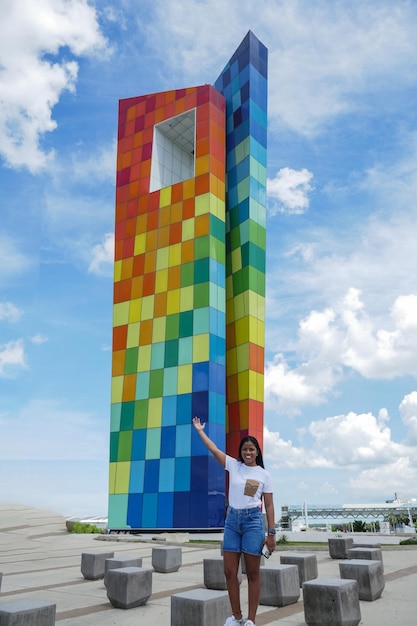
(197,423)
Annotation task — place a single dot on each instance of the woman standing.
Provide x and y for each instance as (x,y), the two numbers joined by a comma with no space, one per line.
(244,528)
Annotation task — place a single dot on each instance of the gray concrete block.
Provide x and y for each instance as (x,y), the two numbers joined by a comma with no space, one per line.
(280,585)
(200,607)
(339,546)
(306,563)
(369,554)
(128,587)
(214,577)
(27,613)
(119,562)
(166,559)
(368,574)
(366,545)
(243,562)
(331,602)
(93,564)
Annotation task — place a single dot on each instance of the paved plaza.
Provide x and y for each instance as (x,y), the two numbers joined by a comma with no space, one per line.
(40,560)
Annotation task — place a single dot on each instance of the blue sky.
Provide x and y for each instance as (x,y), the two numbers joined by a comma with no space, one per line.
(341,334)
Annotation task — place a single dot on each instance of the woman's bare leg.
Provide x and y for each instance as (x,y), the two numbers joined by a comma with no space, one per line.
(253,564)
(231,567)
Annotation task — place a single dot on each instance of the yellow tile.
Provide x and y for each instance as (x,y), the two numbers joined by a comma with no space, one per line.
(173,301)
(242,357)
(117,271)
(116,389)
(140,244)
(112,477)
(188,229)
(162,258)
(147,308)
(161,280)
(236,257)
(144,360)
(135,310)
(158,329)
(187,298)
(202,204)
(133,335)
(242,331)
(165,196)
(175,255)
(231,362)
(120,313)
(121,482)
(154,412)
(201,347)
(243,385)
(185,373)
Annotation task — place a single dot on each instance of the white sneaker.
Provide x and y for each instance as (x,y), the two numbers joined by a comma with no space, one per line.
(249,623)
(232,621)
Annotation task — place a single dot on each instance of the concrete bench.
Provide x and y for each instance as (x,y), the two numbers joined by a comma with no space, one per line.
(331,602)
(25,612)
(339,546)
(167,559)
(128,587)
(306,563)
(200,607)
(93,564)
(369,576)
(280,585)
(369,554)
(214,577)
(366,545)
(119,562)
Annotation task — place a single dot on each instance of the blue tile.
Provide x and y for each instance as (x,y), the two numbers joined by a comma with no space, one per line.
(151,479)
(138,444)
(134,510)
(165,510)
(182,474)
(150,510)
(168,435)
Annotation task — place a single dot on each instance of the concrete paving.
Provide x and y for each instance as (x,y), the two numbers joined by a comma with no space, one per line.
(39,559)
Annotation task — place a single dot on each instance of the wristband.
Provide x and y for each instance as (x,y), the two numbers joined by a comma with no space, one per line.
(272,531)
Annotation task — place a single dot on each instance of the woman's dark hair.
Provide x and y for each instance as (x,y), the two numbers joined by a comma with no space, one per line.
(250,439)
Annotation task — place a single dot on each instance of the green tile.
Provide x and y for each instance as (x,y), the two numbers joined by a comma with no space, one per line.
(201,295)
(114,446)
(127,414)
(201,321)
(217,229)
(172,326)
(115,413)
(131,360)
(171,353)
(187,274)
(185,353)
(156,384)
(170,381)
(201,247)
(186,324)
(157,355)
(142,385)
(201,271)
(141,414)
(125,446)
(153,443)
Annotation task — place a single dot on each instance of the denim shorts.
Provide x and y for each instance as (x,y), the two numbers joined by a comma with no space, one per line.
(244,531)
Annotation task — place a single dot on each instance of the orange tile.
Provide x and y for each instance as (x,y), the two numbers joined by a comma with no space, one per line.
(160,304)
(120,337)
(130,228)
(141,223)
(118,250)
(176,193)
(145,333)
(124,289)
(232,389)
(230,336)
(127,265)
(188,208)
(202,184)
(121,210)
(148,284)
(175,233)
(143,206)
(174,277)
(152,220)
(163,236)
(164,216)
(189,188)
(138,140)
(202,147)
(176,212)
(129,388)
(137,287)
(138,265)
(118,362)
(150,261)
(202,225)
(187,251)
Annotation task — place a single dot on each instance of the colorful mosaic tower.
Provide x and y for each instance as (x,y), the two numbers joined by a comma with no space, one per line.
(189,293)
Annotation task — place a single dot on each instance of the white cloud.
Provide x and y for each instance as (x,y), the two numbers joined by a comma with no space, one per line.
(103,256)
(337,339)
(397,475)
(12,355)
(408,412)
(13,261)
(38,339)
(9,312)
(31,83)
(321,61)
(288,191)
(45,430)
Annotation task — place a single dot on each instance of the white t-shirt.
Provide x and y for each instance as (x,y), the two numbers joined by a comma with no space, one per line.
(239,474)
